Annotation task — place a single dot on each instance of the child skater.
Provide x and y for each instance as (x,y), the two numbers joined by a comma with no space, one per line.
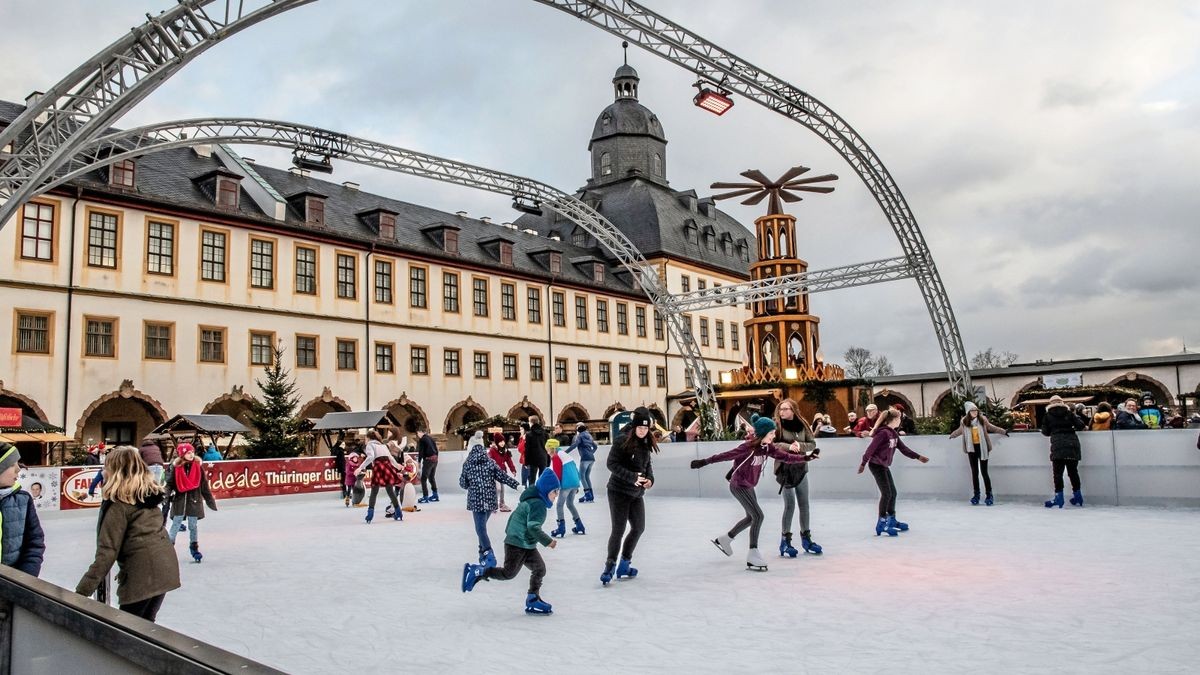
(385,473)
(586,445)
(188,486)
(479,476)
(885,441)
(748,461)
(350,479)
(502,456)
(522,535)
(566,467)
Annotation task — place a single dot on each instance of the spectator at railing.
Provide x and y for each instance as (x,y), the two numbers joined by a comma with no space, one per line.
(1128,417)
(1102,420)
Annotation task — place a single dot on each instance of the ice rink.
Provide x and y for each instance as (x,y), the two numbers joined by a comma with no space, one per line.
(300,583)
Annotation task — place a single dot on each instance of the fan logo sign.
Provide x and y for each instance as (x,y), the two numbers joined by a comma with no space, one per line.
(75,483)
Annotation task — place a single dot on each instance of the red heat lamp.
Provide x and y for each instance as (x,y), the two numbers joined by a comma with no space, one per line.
(715,102)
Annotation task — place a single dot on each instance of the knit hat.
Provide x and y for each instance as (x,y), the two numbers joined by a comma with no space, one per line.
(552,445)
(9,456)
(184,448)
(476,441)
(1056,400)
(968,407)
(762,426)
(640,418)
(547,483)
(497,438)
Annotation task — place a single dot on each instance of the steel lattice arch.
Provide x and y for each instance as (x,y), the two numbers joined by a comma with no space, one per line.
(62,135)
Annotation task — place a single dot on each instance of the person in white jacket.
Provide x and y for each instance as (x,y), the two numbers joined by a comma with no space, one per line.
(386,472)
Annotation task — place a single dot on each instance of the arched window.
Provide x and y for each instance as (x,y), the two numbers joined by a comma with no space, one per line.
(657,166)
(796,350)
(605,164)
(770,352)
(783,242)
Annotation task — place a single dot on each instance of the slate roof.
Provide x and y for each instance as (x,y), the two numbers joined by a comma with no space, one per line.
(211,424)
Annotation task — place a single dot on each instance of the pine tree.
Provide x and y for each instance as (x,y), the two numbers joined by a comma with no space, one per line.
(274,416)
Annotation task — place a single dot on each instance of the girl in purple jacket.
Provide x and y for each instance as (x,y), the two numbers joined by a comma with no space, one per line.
(748,460)
(885,441)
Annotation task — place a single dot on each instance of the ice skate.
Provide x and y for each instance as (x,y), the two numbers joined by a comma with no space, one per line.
(471,576)
(897,525)
(785,546)
(725,543)
(578,529)
(1077,498)
(883,526)
(1056,500)
(370,515)
(624,569)
(194,547)
(487,558)
(560,531)
(975,500)
(755,562)
(433,497)
(607,575)
(989,501)
(808,544)
(535,605)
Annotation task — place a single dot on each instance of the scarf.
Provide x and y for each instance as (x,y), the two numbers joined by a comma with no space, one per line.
(186,481)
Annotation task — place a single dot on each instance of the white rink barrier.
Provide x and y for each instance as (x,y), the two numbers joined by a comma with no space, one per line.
(1145,468)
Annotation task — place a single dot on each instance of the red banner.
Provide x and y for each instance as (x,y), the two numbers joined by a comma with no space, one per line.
(75,481)
(263,477)
(10,417)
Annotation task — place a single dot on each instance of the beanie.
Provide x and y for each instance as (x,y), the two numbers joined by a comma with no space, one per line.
(9,456)
(762,426)
(184,448)
(552,445)
(547,483)
(497,438)
(640,418)
(1056,400)
(968,407)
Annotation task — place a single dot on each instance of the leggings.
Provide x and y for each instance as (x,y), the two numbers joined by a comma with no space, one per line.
(391,493)
(193,535)
(887,489)
(1072,467)
(516,557)
(585,473)
(754,514)
(481,520)
(977,466)
(428,469)
(793,496)
(147,609)
(567,496)
(625,509)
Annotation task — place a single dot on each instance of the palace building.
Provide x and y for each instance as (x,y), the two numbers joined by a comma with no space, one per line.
(158,286)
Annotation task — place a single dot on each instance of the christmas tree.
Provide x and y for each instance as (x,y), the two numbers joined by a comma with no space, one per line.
(274,415)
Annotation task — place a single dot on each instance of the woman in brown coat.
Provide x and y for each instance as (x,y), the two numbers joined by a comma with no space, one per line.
(130,533)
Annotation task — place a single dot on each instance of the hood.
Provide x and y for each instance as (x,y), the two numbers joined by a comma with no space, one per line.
(477,455)
(547,483)
(1102,416)
(1058,412)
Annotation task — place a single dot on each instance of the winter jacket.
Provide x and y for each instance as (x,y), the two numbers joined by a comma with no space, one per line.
(1152,416)
(789,474)
(1102,421)
(628,458)
(1127,420)
(353,461)
(211,454)
(190,503)
(985,439)
(1060,425)
(22,542)
(566,467)
(908,425)
(524,528)
(376,450)
(884,444)
(151,453)
(535,447)
(864,424)
(586,445)
(427,450)
(478,478)
(748,460)
(132,535)
(503,458)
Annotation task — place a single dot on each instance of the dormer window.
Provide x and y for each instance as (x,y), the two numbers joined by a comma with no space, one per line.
(727,244)
(710,240)
(555,264)
(506,251)
(605,164)
(387,226)
(579,237)
(314,210)
(121,174)
(691,232)
(450,244)
(598,272)
(228,192)
(656,167)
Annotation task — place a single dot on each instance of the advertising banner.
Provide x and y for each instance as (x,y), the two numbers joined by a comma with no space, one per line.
(75,481)
(41,482)
(10,417)
(263,477)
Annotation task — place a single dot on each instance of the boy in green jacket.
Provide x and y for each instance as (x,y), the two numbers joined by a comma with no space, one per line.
(522,535)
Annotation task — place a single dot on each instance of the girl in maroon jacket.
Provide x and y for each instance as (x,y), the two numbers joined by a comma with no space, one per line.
(502,456)
(885,441)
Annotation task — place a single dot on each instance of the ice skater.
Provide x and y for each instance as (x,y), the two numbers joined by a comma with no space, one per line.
(522,535)
(427,453)
(885,441)
(479,477)
(586,445)
(565,465)
(352,486)
(385,473)
(793,435)
(748,461)
(631,473)
(503,458)
(976,431)
(187,487)
(1060,424)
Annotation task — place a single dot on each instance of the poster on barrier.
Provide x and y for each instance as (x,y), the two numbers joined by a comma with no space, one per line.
(41,482)
(264,477)
(75,482)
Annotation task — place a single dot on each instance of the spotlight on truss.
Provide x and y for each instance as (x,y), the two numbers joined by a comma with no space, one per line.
(318,163)
(716,101)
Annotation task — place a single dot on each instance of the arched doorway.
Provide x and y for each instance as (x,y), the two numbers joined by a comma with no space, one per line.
(1142,383)
(237,405)
(521,412)
(572,413)
(683,418)
(410,415)
(658,415)
(315,410)
(613,410)
(122,417)
(28,406)
(887,397)
(462,413)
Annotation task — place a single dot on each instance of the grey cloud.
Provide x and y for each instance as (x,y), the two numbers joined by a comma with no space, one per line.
(1077,94)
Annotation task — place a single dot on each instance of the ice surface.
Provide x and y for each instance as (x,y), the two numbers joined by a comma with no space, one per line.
(302,584)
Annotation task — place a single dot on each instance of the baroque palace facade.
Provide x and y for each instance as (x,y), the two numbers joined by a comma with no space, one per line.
(158,286)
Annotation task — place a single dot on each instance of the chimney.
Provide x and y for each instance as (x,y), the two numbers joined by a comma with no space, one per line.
(202,150)
(350,185)
(486,219)
(249,160)
(303,173)
(461,214)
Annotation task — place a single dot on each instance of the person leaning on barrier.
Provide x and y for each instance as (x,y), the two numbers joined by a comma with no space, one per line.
(22,542)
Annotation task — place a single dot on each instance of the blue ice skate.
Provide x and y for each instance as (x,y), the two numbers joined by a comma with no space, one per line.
(808,544)
(471,576)
(560,531)
(897,525)
(1056,500)
(624,569)
(607,575)
(785,546)
(536,605)
(1076,498)
(882,526)
(578,529)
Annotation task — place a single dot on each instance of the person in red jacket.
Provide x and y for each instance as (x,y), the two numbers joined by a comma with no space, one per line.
(866,424)
(502,456)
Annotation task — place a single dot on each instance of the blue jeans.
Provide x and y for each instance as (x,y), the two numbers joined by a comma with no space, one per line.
(176,521)
(524,476)
(585,473)
(481,519)
(567,497)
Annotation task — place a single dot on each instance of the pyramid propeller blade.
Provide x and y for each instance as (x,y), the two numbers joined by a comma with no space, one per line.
(789,197)
(814,188)
(756,175)
(718,186)
(757,198)
(792,173)
(738,193)
(814,179)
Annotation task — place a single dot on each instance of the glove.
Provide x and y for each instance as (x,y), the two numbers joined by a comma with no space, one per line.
(697,463)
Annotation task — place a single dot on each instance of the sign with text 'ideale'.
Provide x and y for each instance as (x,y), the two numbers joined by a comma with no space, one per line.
(262,477)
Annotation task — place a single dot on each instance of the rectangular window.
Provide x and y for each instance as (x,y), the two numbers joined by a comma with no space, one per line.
(102,240)
(686,282)
(480,296)
(101,337)
(417,292)
(622,318)
(643,376)
(451,241)
(720,334)
(660,377)
(451,362)
(483,364)
(315,210)
(623,374)
(33,333)
(605,373)
(602,315)
(510,366)
(384,361)
(158,342)
(506,251)
(37,231)
(306,270)
(687,326)
(701,284)
(212,256)
(121,174)
(160,248)
(306,351)
(450,292)
(387,226)
(536,373)
(228,192)
(212,345)
(639,320)
(555,264)
(347,355)
(262,263)
(734,336)
(508,302)
(688,381)
(560,370)
(383,281)
(658,326)
(585,372)
(347,276)
(558,303)
(260,348)
(581,321)
(418,358)
(703,331)
(533,298)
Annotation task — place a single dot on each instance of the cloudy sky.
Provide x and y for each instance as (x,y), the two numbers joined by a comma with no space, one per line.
(1050,151)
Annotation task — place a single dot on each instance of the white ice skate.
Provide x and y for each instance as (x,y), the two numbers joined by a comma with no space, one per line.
(755,562)
(725,543)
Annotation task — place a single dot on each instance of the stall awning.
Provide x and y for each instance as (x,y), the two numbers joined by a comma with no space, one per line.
(752,393)
(337,421)
(1044,401)
(208,424)
(34,437)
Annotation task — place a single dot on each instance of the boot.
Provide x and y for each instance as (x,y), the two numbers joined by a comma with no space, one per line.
(755,562)
(1077,498)
(370,514)
(607,575)
(725,543)
(1057,500)
(625,570)
(882,526)
(989,501)
(897,525)
(589,495)
(423,499)
(433,497)
(398,514)
(578,529)
(785,546)
(487,558)
(194,547)
(560,531)
(535,605)
(808,544)
(471,576)
(975,500)
(347,500)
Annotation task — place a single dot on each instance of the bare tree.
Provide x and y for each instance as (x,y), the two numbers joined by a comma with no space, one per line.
(860,363)
(990,358)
